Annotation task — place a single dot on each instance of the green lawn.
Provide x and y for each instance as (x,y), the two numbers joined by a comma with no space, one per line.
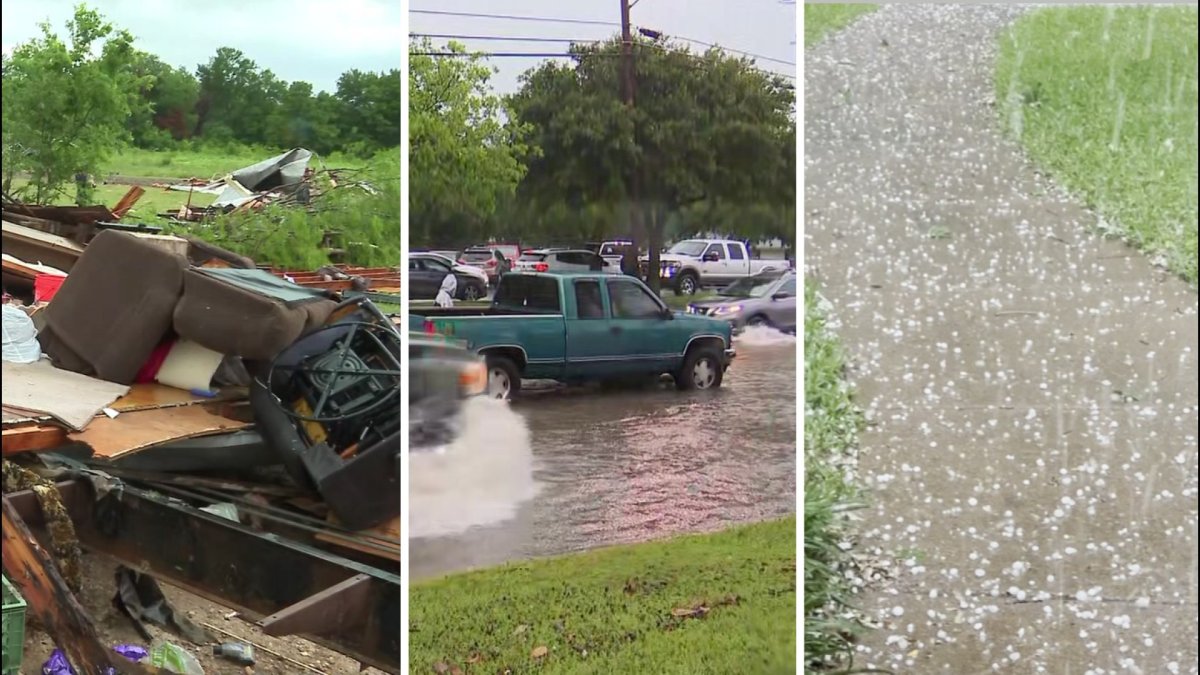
(831,424)
(821,20)
(204,164)
(717,603)
(1104,99)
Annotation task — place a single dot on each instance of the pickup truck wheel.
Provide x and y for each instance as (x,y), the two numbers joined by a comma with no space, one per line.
(472,293)
(687,284)
(504,379)
(701,370)
(757,320)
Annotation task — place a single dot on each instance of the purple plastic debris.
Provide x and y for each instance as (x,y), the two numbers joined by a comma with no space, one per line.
(57,664)
(134,653)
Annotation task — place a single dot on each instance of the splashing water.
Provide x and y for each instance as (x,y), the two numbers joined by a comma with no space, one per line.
(480,478)
(764,336)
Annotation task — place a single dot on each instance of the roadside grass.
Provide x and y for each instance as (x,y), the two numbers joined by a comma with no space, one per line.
(831,424)
(204,164)
(713,603)
(1104,99)
(821,20)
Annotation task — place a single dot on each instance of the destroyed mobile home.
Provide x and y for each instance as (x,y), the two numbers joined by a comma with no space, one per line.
(284,180)
(229,429)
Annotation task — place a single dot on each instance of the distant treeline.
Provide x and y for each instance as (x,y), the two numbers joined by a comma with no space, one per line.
(231,99)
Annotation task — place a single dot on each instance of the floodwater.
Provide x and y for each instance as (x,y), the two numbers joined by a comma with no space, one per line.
(564,470)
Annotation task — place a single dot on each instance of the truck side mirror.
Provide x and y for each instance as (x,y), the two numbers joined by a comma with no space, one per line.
(711,257)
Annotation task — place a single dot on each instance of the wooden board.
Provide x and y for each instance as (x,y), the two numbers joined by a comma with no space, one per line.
(133,431)
(389,531)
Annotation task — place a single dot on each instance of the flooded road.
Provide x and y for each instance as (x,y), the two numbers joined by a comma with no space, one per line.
(567,470)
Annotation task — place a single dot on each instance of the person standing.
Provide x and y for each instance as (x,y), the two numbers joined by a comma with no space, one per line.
(445,295)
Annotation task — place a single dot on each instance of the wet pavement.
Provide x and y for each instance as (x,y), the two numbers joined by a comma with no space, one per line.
(567,470)
(1032,387)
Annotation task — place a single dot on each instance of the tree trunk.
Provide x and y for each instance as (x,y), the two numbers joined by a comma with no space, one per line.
(654,245)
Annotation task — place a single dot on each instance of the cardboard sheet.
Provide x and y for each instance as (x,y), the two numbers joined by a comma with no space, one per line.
(68,397)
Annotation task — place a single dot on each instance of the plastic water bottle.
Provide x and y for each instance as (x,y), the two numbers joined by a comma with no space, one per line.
(237,652)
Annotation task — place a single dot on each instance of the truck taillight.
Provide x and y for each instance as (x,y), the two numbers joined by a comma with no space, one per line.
(541,267)
(429,329)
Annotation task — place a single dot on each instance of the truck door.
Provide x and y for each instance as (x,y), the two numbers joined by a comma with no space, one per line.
(739,264)
(592,348)
(713,265)
(647,341)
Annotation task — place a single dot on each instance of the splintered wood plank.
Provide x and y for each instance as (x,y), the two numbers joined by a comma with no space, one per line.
(133,431)
(384,540)
(32,437)
(153,395)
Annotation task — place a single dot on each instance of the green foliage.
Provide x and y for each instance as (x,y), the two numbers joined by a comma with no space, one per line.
(706,128)
(623,609)
(66,103)
(1105,100)
(364,221)
(831,424)
(462,162)
(822,19)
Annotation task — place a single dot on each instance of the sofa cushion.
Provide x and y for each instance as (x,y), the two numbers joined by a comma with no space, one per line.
(114,308)
(236,320)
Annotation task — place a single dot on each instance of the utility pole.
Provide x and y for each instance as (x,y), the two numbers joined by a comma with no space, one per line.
(632,177)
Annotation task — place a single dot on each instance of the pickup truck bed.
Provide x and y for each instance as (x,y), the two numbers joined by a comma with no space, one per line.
(580,327)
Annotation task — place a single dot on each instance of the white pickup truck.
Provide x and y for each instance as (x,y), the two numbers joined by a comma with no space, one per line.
(693,264)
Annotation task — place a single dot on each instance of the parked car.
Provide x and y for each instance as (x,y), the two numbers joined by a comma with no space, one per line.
(693,264)
(458,267)
(580,327)
(442,374)
(768,299)
(564,260)
(612,250)
(485,258)
(426,272)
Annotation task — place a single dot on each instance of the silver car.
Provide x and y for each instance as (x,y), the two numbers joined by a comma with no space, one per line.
(767,299)
(565,260)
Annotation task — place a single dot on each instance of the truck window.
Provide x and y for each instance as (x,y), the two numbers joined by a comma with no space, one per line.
(736,253)
(716,249)
(631,301)
(587,299)
(536,294)
(788,287)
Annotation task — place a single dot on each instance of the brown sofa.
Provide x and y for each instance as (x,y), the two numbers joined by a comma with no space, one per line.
(125,295)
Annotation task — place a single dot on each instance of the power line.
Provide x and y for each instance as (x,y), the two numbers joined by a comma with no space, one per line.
(735,51)
(558,55)
(514,17)
(500,38)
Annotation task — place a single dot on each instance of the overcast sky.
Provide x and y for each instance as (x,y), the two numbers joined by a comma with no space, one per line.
(765,27)
(310,40)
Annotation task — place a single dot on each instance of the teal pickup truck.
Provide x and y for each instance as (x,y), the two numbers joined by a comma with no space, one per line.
(579,327)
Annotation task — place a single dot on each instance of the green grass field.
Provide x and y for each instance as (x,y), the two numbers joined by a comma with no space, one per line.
(1104,99)
(204,164)
(821,20)
(716,603)
(831,424)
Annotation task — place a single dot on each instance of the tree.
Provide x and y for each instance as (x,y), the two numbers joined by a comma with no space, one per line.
(371,109)
(170,95)
(67,104)
(462,162)
(705,129)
